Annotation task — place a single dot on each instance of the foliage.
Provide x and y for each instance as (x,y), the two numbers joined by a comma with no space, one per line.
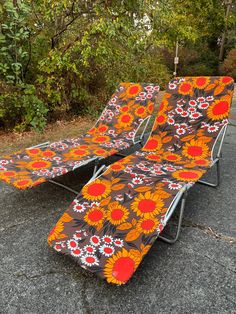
(229,65)
(66,57)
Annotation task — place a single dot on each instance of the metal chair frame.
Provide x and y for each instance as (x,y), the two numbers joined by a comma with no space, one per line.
(182,194)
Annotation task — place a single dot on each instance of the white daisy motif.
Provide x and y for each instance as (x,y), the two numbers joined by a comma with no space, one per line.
(78,207)
(179,110)
(107,239)
(90,260)
(72,244)
(78,235)
(107,250)
(174,186)
(89,249)
(77,252)
(180,131)
(119,242)
(210,98)
(172,86)
(212,128)
(184,114)
(170,121)
(203,105)
(201,99)
(192,103)
(137,180)
(195,115)
(95,240)
(57,247)
(191,109)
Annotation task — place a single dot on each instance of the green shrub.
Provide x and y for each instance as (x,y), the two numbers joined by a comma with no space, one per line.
(228,67)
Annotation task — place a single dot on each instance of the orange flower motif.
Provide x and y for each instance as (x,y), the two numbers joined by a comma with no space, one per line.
(188,175)
(117,166)
(196,149)
(23,183)
(33,152)
(101,139)
(219,109)
(226,80)
(120,267)
(133,90)
(7,175)
(96,190)
(38,164)
(154,157)
(154,143)
(117,214)
(172,157)
(125,120)
(201,82)
(147,205)
(161,118)
(147,225)
(56,232)
(48,154)
(141,112)
(150,107)
(95,216)
(186,88)
(102,128)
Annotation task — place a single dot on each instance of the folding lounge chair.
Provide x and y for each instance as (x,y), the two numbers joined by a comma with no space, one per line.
(130,106)
(116,218)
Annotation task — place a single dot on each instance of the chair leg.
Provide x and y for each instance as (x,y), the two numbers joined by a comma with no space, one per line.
(173,240)
(64,186)
(217,177)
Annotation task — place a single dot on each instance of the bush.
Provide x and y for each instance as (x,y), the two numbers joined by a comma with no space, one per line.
(228,67)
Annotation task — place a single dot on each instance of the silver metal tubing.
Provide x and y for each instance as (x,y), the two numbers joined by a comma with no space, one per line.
(183,202)
(147,119)
(63,186)
(85,162)
(96,174)
(214,185)
(45,144)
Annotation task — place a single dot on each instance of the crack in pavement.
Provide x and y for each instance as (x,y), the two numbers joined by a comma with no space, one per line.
(208,257)
(207,230)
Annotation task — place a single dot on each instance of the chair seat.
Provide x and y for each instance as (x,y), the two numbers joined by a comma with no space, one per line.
(33,166)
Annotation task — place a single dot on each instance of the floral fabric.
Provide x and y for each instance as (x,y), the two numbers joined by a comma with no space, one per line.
(113,132)
(116,218)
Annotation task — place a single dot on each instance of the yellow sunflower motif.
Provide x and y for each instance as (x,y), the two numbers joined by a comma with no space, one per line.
(101,139)
(117,214)
(102,128)
(188,175)
(48,154)
(141,112)
(219,109)
(125,119)
(172,157)
(196,149)
(147,205)
(7,175)
(33,152)
(201,82)
(38,164)
(96,190)
(154,143)
(76,153)
(133,90)
(226,80)
(23,183)
(161,118)
(56,232)
(186,88)
(95,216)
(147,225)
(117,166)
(120,267)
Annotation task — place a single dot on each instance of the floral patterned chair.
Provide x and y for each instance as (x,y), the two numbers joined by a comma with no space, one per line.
(117,217)
(130,106)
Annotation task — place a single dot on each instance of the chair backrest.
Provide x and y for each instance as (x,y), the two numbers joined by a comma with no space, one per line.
(129,106)
(191,115)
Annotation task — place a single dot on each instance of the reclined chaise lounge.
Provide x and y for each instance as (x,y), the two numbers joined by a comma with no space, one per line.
(117,217)
(130,106)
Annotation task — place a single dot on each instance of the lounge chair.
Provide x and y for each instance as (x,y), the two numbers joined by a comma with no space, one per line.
(130,106)
(117,217)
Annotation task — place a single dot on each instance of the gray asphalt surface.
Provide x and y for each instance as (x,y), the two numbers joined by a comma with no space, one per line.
(195,275)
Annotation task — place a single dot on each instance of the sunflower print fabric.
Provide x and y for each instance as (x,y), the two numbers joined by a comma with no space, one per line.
(113,132)
(116,218)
